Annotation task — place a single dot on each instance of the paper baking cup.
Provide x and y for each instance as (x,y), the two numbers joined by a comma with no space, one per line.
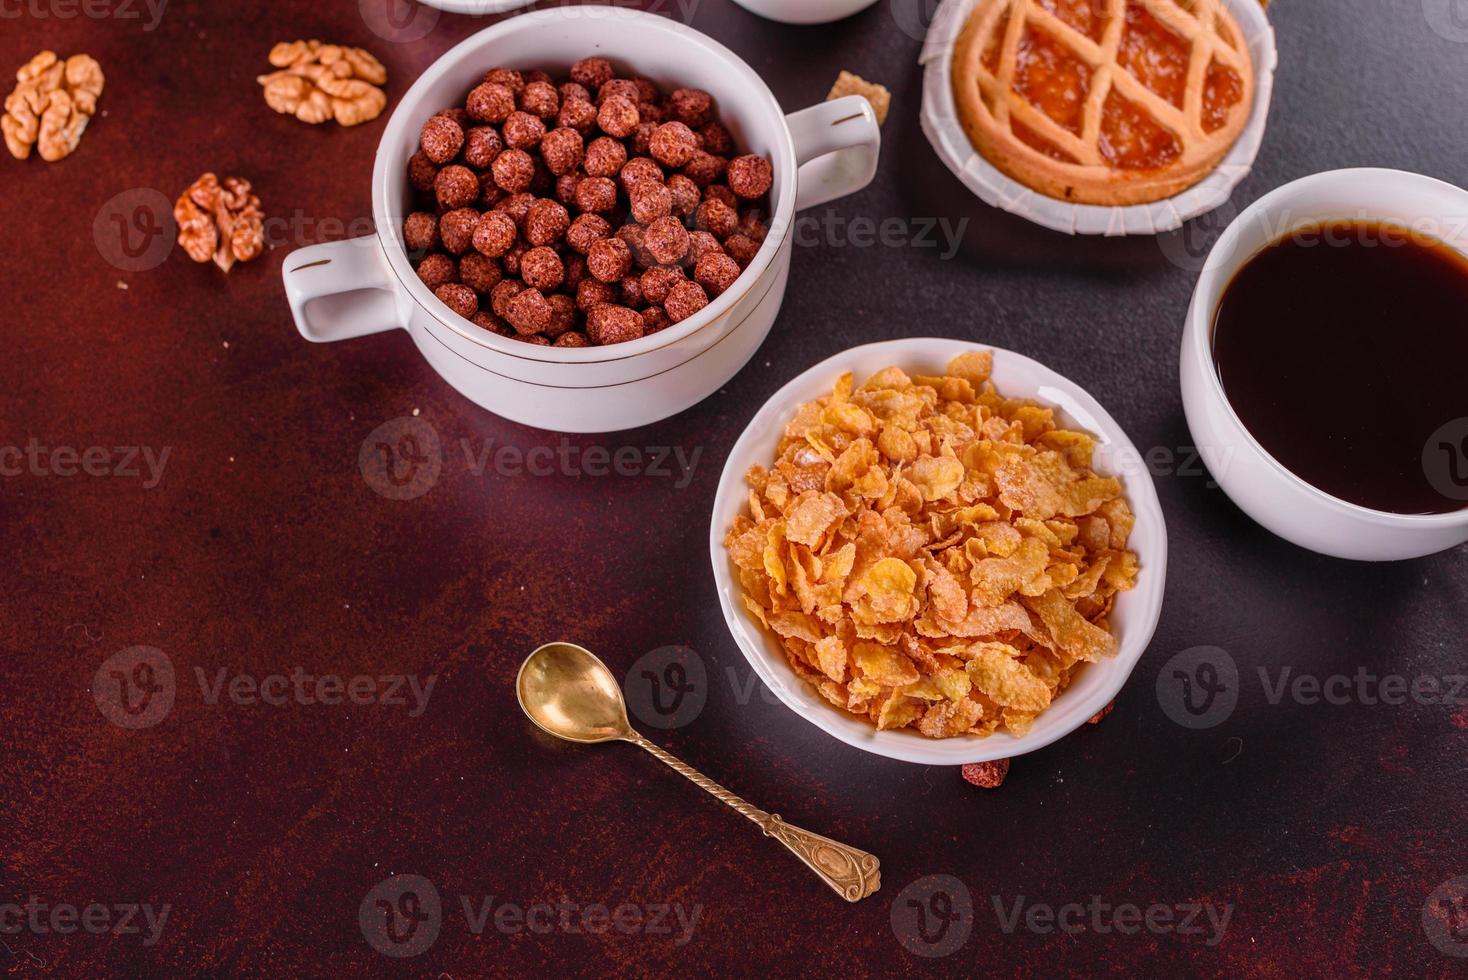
(945,131)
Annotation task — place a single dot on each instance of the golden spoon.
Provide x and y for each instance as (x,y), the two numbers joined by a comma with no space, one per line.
(569,693)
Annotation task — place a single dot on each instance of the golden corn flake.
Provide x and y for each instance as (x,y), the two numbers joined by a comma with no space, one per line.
(933,555)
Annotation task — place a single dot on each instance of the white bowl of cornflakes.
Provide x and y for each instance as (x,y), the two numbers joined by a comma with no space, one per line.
(953,555)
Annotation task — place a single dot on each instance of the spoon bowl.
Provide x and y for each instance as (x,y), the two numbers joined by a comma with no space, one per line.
(569,693)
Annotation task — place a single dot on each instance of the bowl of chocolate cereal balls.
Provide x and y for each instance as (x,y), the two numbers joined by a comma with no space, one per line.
(582,217)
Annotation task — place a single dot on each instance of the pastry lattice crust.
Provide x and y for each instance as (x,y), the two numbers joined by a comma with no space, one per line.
(1111,102)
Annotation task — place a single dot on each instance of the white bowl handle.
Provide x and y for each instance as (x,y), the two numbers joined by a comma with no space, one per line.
(836,145)
(328,272)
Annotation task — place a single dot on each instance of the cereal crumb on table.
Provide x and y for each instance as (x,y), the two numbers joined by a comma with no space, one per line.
(877,95)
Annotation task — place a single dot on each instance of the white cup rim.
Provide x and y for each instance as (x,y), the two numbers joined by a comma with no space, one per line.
(409,114)
(1215,278)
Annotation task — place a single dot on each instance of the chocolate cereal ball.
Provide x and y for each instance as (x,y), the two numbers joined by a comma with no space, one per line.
(479,272)
(685,195)
(716,139)
(666,240)
(563,314)
(705,168)
(591,292)
(605,157)
(540,99)
(623,88)
(718,192)
(586,230)
(562,150)
(572,338)
(522,130)
(691,106)
(545,222)
(701,243)
(513,170)
(609,259)
(650,201)
(437,269)
(420,230)
(456,186)
(456,229)
(508,77)
(655,318)
(421,171)
(494,233)
(578,114)
(574,90)
(673,144)
(715,272)
(608,323)
(593,73)
(528,312)
(441,139)
(750,176)
(635,236)
(541,267)
(500,296)
(517,206)
(658,280)
(617,116)
(486,320)
(684,300)
(459,298)
(741,248)
(716,218)
(640,169)
(596,195)
(481,145)
(490,102)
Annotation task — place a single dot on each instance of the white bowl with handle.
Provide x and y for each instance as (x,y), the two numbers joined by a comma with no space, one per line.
(341,290)
(1133,619)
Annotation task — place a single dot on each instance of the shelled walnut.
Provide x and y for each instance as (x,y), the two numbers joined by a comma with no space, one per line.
(51,105)
(220,221)
(316,82)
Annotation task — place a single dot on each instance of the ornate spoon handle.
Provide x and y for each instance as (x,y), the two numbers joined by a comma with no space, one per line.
(853,873)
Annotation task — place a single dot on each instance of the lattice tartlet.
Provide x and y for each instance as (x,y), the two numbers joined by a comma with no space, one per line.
(1111,102)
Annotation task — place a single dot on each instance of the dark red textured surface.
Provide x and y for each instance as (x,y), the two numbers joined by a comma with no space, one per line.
(262,549)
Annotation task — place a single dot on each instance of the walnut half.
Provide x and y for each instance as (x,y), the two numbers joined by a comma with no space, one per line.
(51,105)
(220,221)
(316,82)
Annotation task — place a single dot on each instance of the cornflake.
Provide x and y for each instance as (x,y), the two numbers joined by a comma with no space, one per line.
(932,554)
